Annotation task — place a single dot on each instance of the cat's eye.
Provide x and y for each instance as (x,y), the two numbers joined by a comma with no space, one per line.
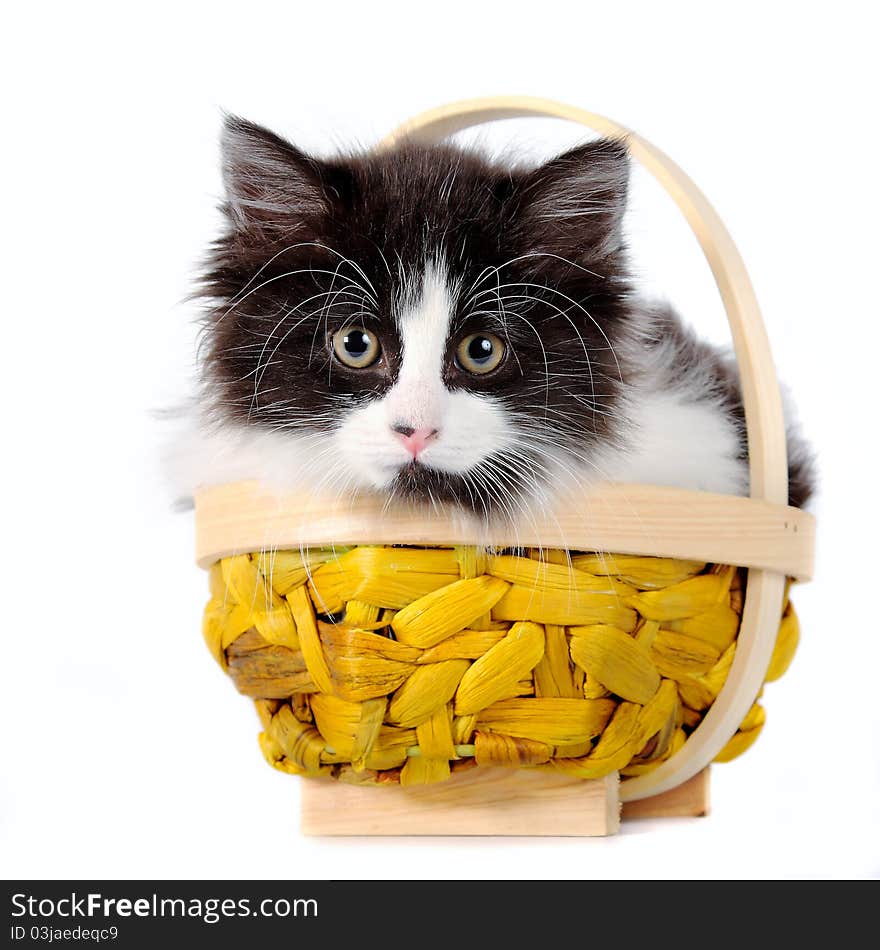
(479,353)
(356,347)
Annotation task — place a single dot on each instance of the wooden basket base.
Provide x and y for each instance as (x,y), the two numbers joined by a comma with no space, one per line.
(489,801)
(688,800)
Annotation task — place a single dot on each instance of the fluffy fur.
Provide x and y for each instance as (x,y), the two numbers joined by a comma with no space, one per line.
(420,247)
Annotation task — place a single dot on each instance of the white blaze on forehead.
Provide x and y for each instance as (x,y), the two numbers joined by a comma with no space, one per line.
(418,397)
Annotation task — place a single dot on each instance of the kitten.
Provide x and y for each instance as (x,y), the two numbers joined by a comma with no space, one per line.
(437,328)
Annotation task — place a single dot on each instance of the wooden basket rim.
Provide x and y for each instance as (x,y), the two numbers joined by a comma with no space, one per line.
(246,517)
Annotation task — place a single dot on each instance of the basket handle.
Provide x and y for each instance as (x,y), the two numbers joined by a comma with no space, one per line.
(762,400)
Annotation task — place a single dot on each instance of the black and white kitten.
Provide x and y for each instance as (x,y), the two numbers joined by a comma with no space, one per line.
(437,328)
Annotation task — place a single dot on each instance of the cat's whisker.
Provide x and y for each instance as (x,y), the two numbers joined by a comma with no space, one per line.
(236,298)
(536,439)
(538,337)
(271,280)
(488,271)
(580,307)
(565,315)
(287,314)
(373,295)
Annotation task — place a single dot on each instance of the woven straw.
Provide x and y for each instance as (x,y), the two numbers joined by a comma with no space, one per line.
(387,664)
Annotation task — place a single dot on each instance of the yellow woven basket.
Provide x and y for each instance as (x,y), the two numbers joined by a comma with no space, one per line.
(401,664)
(395,648)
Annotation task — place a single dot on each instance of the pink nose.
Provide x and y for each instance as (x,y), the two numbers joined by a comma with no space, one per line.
(415,440)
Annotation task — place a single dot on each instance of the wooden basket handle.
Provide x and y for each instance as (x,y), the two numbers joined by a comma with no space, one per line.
(765,426)
(762,401)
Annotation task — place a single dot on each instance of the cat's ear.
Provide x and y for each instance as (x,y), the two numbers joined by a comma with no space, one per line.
(270,184)
(573,205)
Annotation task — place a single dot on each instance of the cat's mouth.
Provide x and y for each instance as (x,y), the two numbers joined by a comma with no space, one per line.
(418,482)
(415,472)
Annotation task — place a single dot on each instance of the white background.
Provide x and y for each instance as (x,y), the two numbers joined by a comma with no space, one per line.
(125,752)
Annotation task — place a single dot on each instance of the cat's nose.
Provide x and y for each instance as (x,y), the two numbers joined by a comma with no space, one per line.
(415,440)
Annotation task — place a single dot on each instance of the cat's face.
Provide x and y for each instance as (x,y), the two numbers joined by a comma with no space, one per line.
(421,323)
